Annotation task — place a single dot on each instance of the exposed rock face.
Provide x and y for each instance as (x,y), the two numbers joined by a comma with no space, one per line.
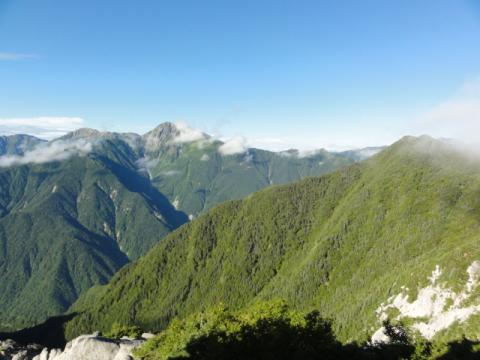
(436,307)
(85,347)
(160,136)
(170,136)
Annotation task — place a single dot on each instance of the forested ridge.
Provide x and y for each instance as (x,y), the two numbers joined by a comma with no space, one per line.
(342,243)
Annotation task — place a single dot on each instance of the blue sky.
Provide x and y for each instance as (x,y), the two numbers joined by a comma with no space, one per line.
(282,73)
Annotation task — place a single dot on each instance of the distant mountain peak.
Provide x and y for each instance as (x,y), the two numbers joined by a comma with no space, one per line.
(423,143)
(17,144)
(93,135)
(168,134)
(20,136)
(165,130)
(83,133)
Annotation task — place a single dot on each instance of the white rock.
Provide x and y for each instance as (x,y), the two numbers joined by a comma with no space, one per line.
(380,337)
(92,347)
(21,355)
(436,307)
(10,350)
(42,356)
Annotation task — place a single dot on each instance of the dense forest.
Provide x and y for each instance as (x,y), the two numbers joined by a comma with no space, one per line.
(343,243)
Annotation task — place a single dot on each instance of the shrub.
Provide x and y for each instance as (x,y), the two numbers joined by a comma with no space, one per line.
(118,331)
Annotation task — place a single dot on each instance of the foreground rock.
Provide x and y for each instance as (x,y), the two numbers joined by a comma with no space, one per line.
(10,350)
(85,347)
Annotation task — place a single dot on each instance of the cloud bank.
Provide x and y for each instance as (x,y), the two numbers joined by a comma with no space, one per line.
(44,127)
(54,151)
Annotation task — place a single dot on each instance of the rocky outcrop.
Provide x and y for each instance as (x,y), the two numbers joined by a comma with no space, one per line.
(10,350)
(436,307)
(85,347)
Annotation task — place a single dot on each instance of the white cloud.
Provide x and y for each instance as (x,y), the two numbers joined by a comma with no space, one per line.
(235,145)
(368,152)
(146,163)
(307,153)
(43,127)
(274,143)
(309,145)
(457,117)
(53,151)
(187,134)
(171,173)
(8,56)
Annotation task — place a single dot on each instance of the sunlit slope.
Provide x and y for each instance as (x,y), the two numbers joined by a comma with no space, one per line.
(198,179)
(76,209)
(343,243)
(196,176)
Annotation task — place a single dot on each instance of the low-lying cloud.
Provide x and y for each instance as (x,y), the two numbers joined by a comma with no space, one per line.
(235,145)
(53,151)
(457,117)
(187,134)
(146,163)
(171,173)
(44,127)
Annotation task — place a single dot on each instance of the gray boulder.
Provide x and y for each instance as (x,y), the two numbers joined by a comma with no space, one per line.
(93,347)
(11,350)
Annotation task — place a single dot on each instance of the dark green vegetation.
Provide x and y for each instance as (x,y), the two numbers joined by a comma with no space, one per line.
(342,243)
(268,331)
(84,205)
(273,331)
(66,226)
(118,331)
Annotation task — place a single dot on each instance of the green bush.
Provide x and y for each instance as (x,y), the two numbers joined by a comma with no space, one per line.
(272,331)
(118,331)
(265,331)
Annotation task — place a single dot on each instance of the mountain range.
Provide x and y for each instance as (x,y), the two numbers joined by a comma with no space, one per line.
(75,210)
(392,238)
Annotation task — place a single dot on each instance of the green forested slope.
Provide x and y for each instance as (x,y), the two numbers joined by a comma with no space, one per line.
(196,176)
(342,243)
(196,185)
(65,226)
(76,209)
